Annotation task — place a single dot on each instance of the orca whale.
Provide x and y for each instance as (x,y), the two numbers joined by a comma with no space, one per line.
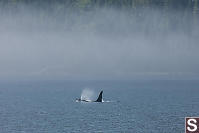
(99,99)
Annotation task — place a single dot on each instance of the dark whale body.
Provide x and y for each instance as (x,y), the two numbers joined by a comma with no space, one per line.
(99,99)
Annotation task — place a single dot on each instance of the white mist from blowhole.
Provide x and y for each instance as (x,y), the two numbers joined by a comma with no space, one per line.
(87,94)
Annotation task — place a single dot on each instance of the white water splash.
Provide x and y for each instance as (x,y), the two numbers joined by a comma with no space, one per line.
(87,94)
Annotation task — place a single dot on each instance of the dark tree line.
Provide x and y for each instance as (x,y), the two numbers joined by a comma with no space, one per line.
(174,14)
(119,4)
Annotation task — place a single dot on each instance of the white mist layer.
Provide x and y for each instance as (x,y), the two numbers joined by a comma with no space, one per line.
(105,45)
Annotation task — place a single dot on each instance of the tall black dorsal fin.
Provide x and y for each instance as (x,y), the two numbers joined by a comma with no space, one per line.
(99,99)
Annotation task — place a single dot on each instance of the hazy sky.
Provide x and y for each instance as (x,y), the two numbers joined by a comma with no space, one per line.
(111,50)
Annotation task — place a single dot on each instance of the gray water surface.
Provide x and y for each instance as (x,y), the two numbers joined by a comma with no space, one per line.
(135,106)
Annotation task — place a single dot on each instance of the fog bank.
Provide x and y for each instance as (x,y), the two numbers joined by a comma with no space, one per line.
(106,44)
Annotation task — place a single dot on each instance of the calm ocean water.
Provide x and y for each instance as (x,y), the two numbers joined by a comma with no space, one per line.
(134,107)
